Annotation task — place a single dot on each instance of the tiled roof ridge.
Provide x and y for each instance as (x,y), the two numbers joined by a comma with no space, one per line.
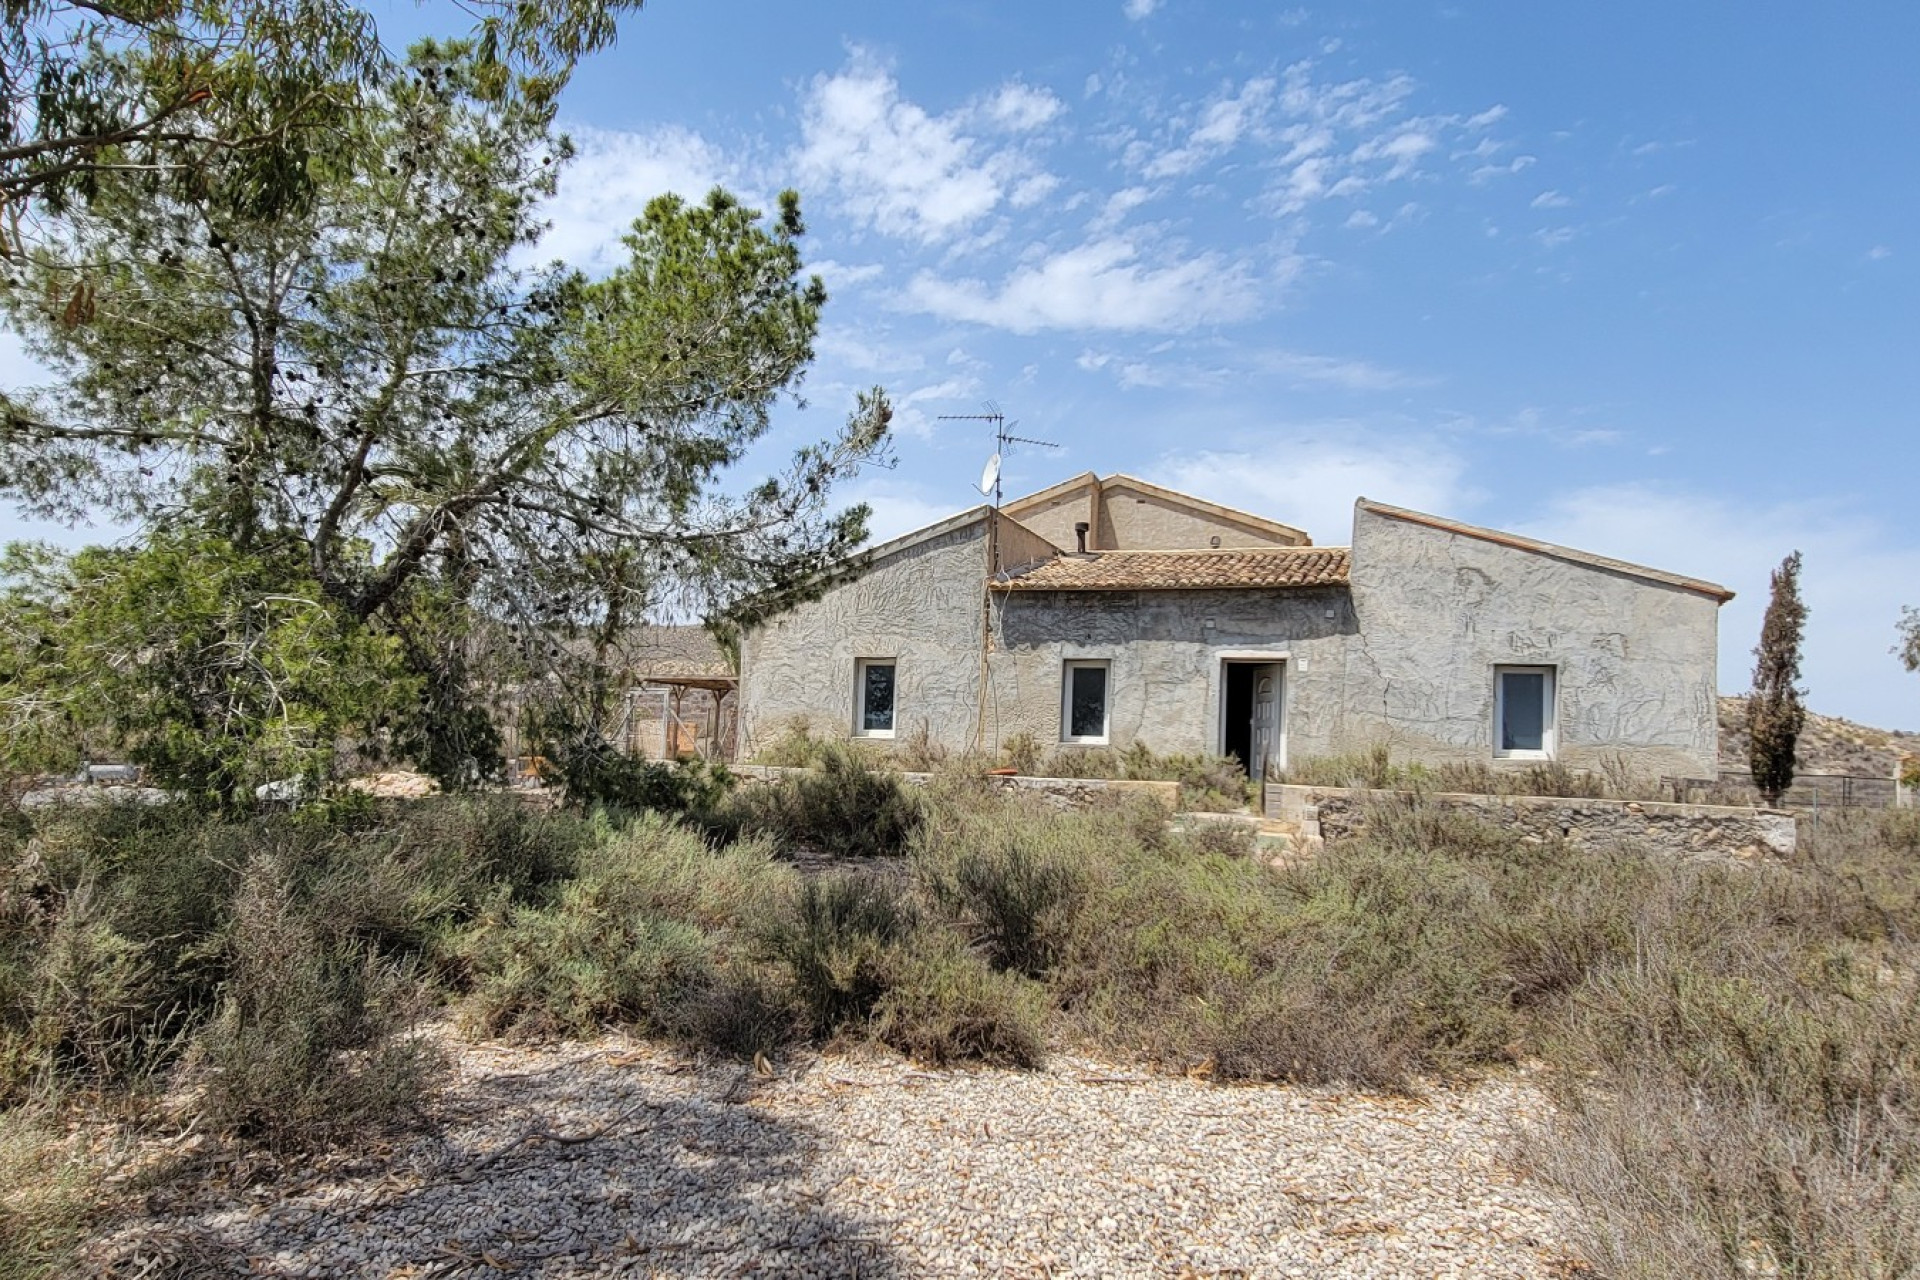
(1184,568)
(1202,551)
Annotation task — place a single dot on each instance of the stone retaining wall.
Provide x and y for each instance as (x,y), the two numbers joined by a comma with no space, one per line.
(1688,830)
(1064,793)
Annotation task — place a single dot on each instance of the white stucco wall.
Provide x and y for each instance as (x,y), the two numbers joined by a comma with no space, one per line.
(1437,611)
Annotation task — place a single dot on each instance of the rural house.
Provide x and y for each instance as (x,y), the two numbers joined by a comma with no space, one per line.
(1107,611)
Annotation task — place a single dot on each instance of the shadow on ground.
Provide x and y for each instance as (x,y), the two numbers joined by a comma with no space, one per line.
(587,1165)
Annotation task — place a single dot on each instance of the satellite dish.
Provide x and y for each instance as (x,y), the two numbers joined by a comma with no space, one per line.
(990,474)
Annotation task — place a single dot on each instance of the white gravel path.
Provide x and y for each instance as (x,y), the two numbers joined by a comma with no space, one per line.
(858,1166)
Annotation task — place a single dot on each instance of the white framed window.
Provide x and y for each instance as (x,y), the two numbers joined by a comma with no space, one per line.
(1523,713)
(1083,701)
(874,693)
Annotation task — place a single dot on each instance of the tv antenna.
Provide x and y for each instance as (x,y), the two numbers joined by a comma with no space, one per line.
(1003,442)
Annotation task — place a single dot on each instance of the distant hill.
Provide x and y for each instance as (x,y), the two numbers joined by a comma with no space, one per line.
(1828,744)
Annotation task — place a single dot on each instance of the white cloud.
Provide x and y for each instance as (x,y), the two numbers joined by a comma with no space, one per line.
(902,171)
(1138,9)
(1879,253)
(1119,205)
(612,177)
(1487,172)
(1101,284)
(1554,237)
(868,355)
(1337,371)
(911,418)
(848,274)
(1856,577)
(1311,482)
(900,506)
(1021,107)
(1550,200)
(1235,367)
(1220,127)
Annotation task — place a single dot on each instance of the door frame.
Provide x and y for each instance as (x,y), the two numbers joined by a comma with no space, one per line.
(1217,678)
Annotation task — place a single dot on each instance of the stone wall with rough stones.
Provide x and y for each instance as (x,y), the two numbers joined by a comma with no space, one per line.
(1685,830)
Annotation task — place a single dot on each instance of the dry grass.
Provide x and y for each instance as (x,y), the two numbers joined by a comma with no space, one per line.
(46,1193)
(1741,1091)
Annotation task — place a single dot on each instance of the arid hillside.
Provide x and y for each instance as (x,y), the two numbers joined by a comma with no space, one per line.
(1828,744)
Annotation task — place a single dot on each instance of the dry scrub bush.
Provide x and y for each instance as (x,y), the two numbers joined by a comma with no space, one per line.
(285,955)
(630,939)
(845,805)
(310,1038)
(1374,769)
(1424,948)
(1011,883)
(1208,783)
(1739,1089)
(946,1005)
(840,942)
(46,1186)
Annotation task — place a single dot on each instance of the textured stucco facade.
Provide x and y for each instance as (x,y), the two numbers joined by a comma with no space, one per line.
(1165,652)
(1437,611)
(921,605)
(1403,652)
(1122,511)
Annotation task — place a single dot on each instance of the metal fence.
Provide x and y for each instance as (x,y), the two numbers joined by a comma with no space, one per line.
(1809,790)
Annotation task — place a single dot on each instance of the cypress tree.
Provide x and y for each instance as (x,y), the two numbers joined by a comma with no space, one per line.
(1774,711)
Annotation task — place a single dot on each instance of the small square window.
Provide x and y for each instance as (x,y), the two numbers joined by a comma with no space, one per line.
(1083,702)
(1523,712)
(874,695)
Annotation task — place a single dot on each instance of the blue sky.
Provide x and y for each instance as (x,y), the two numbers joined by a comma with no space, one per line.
(1639,278)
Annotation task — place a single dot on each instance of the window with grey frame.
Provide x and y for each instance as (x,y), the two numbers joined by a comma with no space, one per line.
(875,692)
(1523,712)
(1083,701)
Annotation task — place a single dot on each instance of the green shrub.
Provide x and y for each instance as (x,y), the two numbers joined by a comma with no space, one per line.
(839,940)
(581,964)
(601,775)
(626,940)
(792,747)
(845,805)
(947,1006)
(1022,753)
(1012,883)
(112,951)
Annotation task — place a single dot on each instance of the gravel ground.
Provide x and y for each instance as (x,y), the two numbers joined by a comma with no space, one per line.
(618,1158)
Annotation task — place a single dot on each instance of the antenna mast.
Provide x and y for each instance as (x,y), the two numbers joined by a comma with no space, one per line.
(1002,442)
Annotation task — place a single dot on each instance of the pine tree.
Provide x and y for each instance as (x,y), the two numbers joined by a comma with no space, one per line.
(1774,711)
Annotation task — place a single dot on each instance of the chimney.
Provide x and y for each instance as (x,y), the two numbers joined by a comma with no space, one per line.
(1080,528)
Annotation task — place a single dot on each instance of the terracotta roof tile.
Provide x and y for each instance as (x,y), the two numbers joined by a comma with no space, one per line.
(1184,570)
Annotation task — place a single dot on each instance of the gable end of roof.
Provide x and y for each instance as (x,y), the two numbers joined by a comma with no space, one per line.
(1712,590)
